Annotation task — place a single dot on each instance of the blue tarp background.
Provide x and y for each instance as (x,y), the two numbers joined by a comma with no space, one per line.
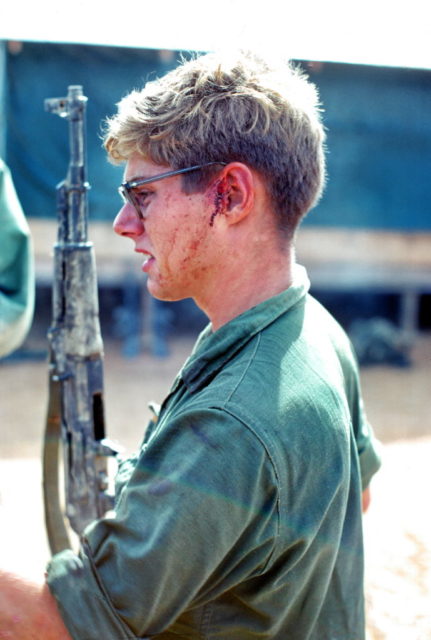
(378,120)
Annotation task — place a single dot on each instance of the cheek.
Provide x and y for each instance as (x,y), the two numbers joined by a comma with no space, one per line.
(181,231)
(194,244)
(184,239)
(196,239)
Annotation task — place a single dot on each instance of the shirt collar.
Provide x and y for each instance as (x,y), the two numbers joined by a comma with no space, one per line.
(214,349)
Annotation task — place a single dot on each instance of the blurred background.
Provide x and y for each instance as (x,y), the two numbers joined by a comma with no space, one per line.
(367,245)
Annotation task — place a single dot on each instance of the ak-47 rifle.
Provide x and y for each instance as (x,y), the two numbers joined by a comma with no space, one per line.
(75,418)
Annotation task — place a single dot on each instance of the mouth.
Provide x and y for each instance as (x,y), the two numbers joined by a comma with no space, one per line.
(149,259)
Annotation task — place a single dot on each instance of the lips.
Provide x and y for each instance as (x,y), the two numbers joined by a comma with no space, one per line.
(149,260)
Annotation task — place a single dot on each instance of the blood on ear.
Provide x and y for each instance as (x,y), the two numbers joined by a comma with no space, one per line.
(221,199)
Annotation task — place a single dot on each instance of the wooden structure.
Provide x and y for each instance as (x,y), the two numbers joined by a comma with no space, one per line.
(342,260)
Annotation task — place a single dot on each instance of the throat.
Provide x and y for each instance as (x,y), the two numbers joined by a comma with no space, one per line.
(242,293)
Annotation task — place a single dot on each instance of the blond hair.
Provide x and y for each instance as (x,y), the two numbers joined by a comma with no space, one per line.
(243,109)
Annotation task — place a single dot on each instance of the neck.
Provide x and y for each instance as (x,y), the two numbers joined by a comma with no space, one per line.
(247,283)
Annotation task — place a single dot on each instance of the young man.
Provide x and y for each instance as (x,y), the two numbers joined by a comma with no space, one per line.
(240,516)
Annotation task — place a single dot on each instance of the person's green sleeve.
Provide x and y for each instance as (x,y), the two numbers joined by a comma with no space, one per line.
(368,447)
(16,268)
(193,518)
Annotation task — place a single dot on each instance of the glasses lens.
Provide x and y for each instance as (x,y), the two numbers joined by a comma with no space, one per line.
(122,192)
(128,196)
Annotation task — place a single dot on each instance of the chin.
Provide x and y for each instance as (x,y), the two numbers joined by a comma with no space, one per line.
(163,293)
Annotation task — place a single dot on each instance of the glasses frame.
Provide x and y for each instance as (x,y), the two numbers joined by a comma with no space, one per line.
(126,188)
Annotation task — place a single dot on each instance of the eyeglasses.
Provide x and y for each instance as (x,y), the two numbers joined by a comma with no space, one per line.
(127,189)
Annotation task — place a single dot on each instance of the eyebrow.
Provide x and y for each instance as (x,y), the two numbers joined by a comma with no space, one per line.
(135,178)
(138,178)
(141,177)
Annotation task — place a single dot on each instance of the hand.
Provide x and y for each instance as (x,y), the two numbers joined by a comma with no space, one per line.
(28,611)
(366,499)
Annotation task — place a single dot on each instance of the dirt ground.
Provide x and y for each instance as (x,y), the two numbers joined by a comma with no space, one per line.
(397,525)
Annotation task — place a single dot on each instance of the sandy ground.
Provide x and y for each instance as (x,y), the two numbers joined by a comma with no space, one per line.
(397,525)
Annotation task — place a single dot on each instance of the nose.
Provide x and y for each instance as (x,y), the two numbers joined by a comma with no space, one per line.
(127,222)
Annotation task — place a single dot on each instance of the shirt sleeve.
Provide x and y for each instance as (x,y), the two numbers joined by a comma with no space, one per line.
(195,515)
(16,268)
(368,447)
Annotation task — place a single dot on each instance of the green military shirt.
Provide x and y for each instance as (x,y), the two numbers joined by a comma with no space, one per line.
(16,268)
(240,517)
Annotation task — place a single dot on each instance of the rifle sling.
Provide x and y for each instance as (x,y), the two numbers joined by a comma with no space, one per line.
(58,537)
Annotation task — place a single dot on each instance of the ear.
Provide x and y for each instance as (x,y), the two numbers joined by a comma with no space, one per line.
(235,191)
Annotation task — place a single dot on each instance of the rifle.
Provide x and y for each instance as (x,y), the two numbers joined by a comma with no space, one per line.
(75,417)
